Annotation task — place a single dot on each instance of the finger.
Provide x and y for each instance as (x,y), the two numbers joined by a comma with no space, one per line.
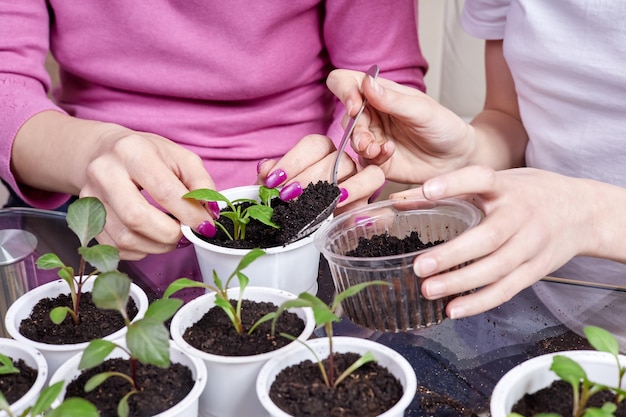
(473,179)
(346,86)
(362,185)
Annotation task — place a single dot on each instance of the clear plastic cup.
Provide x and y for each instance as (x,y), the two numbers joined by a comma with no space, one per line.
(400,306)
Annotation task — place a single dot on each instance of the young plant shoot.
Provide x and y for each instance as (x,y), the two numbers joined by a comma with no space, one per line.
(147,339)
(241,210)
(325,315)
(221,291)
(71,407)
(85,217)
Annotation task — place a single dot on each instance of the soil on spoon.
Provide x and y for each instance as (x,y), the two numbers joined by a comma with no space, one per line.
(291,216)
(15,386)
(214,332)
(94,322)
(160,388)
(369,391)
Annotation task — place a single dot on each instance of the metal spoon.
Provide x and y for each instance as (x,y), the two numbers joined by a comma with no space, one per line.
(313,225)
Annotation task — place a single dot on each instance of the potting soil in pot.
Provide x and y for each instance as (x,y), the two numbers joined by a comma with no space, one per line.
(15,386)
(291,216)
(387,245)
(214,332)
(94,322)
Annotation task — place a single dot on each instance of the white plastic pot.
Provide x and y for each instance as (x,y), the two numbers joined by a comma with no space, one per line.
(230,389)
(535,374)
(292,268)
(33,358)
(386,357)
(186,408)
(56,355)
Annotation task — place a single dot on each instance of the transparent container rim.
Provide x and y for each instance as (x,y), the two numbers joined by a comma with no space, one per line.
(322,237)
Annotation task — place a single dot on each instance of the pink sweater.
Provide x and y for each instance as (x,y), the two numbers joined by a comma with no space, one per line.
(235,81)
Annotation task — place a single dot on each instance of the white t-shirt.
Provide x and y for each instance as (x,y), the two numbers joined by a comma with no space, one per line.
(568,60)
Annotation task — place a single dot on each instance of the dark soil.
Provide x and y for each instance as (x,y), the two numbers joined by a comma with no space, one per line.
(386,245)
(214,332)
(558,398)
(291,216)
(14,386)
(371,390)
(161,388)
(94,322)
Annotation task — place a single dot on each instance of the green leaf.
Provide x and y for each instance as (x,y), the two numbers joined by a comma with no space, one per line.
(75,407)
(206,194)
(4,404)
(46,398)
(58,314)
(111,291)
(86,217)
(95,353)
(7,366)
(95,381)
(248,258)
(353,290)
(163,309)
(149,342)
(602,340)
(49,261)
(568,370)
(67,274)
(182,283)
(365,358)
(104,258)
(267,194)
(262,214)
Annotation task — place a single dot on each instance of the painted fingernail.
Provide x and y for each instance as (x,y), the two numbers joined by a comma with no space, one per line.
(291,191)
(207,229)
(275,178)
(183,243)
(260,163)
(214,208)
(363,221)
(343,194)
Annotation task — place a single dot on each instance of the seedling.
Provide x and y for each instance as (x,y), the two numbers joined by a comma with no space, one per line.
(241,210)
(72,407)
(571,372)
(85,217)
(147,339)
(6,366)
(221,291)
(325,315)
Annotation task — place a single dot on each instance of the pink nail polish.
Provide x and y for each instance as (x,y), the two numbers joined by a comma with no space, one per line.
(363,220)
(183,243)
(214,208)
(275,178)
(260,163)
(291,191)
(343,194)
(207,229)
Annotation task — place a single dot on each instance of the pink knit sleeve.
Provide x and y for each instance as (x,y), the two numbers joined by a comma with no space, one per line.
(24,27)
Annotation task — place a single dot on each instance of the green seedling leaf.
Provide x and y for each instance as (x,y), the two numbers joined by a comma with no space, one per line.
(262,214)
(163,309)
(568,370)
(355,289)
(365,358)
(123,410)
(148,340)
(602,340)
(74,407)
(182,283)
(4,404)
(67,274)
(95,381)
(104,258)
(206,194)
(111,291)
(95,353)
(49,261)
(86,217)
(267,194)
(58,314)
(6,366)
(46,398)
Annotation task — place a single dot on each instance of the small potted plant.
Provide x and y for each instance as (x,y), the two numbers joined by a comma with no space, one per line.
(143,375)
(58,318)
(229,329)
(23,375)
(589,382)
(41,405)
(380,242)
(359,377)
(254,212)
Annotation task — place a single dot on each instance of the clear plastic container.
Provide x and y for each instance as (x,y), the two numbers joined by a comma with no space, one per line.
(400,306)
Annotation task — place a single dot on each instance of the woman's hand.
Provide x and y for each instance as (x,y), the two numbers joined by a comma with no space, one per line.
(404,131)
(312,160)
(534,223)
